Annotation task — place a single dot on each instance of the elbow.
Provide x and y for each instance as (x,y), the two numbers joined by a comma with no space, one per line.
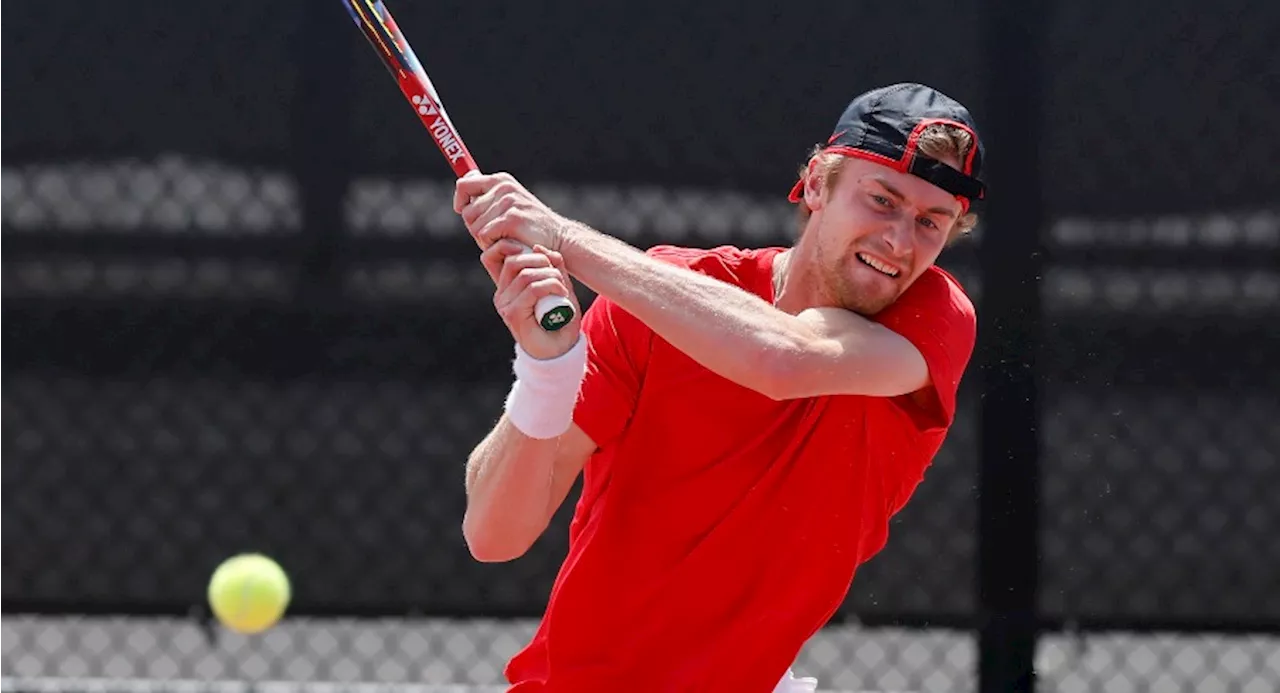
(489,544)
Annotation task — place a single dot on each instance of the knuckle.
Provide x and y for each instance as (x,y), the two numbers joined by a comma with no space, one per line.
(532,279)
(513,219)
(524,278)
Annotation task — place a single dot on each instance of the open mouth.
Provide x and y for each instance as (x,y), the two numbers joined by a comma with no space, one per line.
(882,268)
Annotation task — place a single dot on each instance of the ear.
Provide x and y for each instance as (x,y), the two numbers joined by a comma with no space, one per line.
(815,191)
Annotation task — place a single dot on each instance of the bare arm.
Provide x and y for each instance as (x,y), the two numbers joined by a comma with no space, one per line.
(726,329)
(741,337)
(514,486)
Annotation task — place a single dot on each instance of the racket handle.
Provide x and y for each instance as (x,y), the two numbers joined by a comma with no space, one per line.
(552,312)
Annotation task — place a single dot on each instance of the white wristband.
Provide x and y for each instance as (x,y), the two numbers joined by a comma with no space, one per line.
(545,392)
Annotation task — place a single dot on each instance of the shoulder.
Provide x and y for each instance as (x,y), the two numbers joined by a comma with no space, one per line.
(724,261)
(937,317)
(940,287)
(935,294)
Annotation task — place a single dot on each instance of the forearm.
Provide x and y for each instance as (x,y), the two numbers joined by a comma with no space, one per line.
(729,331)
(509,481)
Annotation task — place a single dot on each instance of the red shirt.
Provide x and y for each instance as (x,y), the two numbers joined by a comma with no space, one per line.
(717,529)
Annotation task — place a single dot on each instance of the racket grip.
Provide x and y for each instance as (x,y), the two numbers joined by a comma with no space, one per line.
(551,312)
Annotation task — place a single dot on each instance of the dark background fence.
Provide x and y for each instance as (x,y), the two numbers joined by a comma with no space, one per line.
(239,313)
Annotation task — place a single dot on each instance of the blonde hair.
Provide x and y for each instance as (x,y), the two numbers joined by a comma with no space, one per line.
(938,141)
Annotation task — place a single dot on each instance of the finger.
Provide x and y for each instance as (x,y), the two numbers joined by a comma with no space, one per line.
(471,207)
(511,291)
(513,265)
(493,257)
(469,187)
(509,224)
(489,207)
(503,185)
(549,286)
(523,304)
(482,206)
(476,206)
(557,260)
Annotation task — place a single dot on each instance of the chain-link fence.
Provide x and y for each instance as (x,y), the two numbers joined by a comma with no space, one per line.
(184,380)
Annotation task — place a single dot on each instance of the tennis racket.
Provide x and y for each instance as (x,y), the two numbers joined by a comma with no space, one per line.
(382,32)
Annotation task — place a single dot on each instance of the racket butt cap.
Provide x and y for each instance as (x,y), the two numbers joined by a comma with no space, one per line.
(553,312)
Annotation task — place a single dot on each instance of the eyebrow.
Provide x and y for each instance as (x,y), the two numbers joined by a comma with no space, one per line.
(896,193)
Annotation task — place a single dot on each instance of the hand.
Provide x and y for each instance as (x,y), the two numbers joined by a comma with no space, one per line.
(496,206)
(522,277)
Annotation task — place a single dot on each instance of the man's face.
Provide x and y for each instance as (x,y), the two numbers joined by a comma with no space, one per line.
(875,232)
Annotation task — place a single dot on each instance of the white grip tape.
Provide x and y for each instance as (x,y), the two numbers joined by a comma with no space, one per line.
(545,392)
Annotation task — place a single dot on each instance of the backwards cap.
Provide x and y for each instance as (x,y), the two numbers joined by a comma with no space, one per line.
(884,125)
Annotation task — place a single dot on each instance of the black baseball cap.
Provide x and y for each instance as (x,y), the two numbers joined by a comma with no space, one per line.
(882,125)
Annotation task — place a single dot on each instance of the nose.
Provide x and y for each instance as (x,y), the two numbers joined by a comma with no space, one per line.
(897,236)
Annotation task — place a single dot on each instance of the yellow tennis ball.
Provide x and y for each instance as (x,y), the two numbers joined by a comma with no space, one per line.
(249,593)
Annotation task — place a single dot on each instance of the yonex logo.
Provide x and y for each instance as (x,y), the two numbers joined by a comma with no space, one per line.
(440,130)
(424,108)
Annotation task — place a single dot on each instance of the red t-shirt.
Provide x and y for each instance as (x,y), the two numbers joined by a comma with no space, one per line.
(718,529)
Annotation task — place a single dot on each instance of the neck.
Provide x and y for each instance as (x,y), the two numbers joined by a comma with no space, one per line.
(795,285)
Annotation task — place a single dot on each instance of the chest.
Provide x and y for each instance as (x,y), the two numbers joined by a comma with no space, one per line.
(690,423)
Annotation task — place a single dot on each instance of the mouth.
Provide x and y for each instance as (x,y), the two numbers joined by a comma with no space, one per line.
(879,266)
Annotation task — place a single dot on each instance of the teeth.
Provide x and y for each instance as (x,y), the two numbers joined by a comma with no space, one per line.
(877,265)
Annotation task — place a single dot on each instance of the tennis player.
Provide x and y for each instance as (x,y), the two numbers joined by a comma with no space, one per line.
(746,421)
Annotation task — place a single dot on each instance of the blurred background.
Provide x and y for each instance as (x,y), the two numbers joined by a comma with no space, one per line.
(240,315)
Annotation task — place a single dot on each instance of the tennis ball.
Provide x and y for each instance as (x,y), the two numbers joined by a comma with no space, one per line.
(249,593)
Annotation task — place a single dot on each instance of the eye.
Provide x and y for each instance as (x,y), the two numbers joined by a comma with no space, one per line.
(881,200)
(927,223)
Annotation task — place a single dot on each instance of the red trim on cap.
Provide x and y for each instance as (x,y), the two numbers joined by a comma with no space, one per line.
(904,164)
(967,164)
(797,191)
